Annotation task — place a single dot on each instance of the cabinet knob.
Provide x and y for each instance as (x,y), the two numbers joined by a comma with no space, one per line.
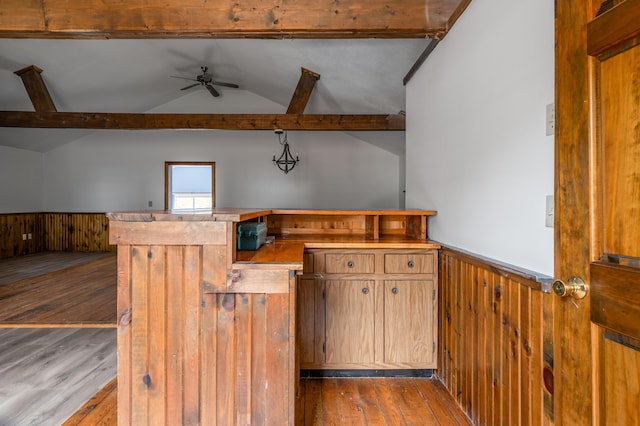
(410,264)
(394,290)
(365,290)
(350,264)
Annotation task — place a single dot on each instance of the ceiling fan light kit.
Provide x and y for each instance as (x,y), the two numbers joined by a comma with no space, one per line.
(206,79)
(286,162)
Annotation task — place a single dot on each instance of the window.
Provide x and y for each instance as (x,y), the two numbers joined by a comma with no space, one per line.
(189,186)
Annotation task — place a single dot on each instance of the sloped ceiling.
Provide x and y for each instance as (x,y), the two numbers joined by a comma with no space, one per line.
(118,56)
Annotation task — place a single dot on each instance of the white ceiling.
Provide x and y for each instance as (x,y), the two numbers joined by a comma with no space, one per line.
(358,76)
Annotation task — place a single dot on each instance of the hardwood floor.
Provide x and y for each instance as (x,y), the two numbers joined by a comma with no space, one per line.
(375,401)
(47,374)
(80,293)
(49,368)
(379,401)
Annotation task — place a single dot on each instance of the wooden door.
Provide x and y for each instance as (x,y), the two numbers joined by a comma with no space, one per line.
(409,334)
(596,365)
(350,326)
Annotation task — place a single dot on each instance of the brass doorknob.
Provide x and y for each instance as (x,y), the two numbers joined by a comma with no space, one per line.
(574,287)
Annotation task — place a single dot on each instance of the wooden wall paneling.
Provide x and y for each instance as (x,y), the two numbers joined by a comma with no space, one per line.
(193,332)
(259,362)
(492,342)
(243,330)
(124,334)
(226,356)
(140,380)
(156,334)
(175,337)
(12,228)
(527,361)
(515,352)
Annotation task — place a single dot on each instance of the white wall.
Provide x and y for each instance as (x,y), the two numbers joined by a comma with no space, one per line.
(476,145)
(123,170)
(20,180)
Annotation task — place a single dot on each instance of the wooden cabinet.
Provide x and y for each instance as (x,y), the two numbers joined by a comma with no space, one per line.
(409,334)
(368,309)
(349,321)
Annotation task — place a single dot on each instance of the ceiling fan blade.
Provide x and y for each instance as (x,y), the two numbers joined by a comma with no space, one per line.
(213,91)
(220,83)
(190,86)
(184,78)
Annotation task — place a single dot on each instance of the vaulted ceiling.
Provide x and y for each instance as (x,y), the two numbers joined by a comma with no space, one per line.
(118,56)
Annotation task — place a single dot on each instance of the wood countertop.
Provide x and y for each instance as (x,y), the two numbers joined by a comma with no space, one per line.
(290,249)
(242,214)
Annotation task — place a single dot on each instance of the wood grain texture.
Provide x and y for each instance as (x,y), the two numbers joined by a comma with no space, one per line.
(100,410)
(619,107)
(615,303)
(36,88)
(303,91)
(301,18)
(572,363)
(614,27)
(48,374)
(337,402)
(82,295)
(145,121)
(12,229)
(349,322)
(491,342)
(196,357)
(619,387)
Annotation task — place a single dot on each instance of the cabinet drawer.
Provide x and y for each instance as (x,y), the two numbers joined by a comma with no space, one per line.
(408,263)
(349,263)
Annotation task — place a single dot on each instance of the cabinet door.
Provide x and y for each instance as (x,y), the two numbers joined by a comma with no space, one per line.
(306,304)
(349,332)
(409,323)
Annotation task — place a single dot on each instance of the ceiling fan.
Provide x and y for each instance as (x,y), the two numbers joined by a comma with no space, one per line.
(206,79)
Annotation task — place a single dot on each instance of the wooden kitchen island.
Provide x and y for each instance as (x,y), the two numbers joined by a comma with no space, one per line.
(207,334)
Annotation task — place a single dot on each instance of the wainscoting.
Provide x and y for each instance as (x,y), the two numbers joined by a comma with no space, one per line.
(79,232)
(493,347)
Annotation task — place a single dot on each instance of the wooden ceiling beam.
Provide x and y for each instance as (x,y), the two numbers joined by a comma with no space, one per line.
(301,95)
(225,18)
(129,121)
(37,90)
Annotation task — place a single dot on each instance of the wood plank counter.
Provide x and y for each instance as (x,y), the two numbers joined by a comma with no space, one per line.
(207,333)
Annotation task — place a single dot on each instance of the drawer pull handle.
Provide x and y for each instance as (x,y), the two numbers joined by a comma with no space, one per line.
(350,264)
(394,290)
(410,264)
(365,290)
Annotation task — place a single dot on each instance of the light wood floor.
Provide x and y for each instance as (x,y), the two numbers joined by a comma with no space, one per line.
(48,374)
(379,402)
(50,364)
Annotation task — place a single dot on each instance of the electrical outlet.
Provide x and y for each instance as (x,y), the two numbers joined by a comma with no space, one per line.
(30,236)
(150,203)
(24,237)
(550,214)
(551,119)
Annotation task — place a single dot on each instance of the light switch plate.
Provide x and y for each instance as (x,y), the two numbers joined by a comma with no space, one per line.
(551,119)
(550,213)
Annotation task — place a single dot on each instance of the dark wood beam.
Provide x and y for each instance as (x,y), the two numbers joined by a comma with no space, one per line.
(423,57)
(120,121)
(223,18)
(301,96)
(37,90)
